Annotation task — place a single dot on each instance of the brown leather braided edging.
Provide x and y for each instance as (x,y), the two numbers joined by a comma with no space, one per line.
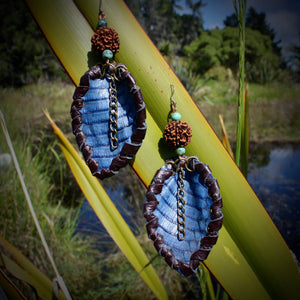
(215,224)
(119,71)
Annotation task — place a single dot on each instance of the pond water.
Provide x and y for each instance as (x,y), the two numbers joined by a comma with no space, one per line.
(89,224)
(273,173)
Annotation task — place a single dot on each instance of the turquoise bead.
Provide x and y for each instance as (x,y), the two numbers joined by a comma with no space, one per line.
(176,116)
(180,151)
(107,54)
(102,22)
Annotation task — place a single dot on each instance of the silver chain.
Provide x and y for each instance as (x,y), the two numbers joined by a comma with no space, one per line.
(113,114)
(181,233)
(180,206)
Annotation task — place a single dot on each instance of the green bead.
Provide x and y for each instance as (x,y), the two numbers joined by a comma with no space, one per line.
(180,151)
(102,22)
(107,54)
(176,116)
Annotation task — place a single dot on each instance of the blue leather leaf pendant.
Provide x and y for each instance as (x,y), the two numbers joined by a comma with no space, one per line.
(183,213)
(108,118)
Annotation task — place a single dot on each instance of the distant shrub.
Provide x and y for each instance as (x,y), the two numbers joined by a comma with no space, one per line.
(219,73)
(220,47)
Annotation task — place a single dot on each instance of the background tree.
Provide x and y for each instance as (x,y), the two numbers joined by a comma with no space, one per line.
(220,47)
(256,21)
(156,17)
(188,27)
(231,21)
(165,25)
(24,54)
(295,59)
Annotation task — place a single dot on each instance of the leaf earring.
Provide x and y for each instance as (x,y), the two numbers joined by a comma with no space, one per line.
(108,111)
(183,204)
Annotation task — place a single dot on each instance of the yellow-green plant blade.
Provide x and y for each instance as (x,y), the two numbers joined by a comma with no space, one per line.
(20,267)
(109,215)
(10,288)
(250,260)
(209,284)
(225,139)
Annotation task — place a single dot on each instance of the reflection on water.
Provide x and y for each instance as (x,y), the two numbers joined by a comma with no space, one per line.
(274,174)
(89,224)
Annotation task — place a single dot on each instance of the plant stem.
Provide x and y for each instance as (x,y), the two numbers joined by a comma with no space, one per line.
(245,134)
(241,15)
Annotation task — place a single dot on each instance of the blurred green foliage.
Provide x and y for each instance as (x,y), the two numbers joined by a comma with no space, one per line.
(220,47)
(164,23)
(295,59)
(25,56)
(256,21)
(182,37)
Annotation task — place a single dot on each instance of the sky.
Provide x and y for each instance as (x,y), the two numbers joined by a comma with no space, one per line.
(282,15)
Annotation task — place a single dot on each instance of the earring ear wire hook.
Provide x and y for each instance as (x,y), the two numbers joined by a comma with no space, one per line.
(100,7)
(173,102)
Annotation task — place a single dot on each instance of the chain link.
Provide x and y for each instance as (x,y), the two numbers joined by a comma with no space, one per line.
(178,168)
(180,206)
(175,164)
(113,111)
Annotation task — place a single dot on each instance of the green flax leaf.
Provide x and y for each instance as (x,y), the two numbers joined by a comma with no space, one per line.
(250,260)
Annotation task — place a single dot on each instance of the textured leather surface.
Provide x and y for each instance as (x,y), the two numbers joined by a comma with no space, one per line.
(202,209)
(90,119)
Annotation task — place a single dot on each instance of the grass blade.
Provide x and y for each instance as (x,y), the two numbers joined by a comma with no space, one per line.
(109,215)
(20,267)
(240,10)
(10,288)
(250,249)
(245,134)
